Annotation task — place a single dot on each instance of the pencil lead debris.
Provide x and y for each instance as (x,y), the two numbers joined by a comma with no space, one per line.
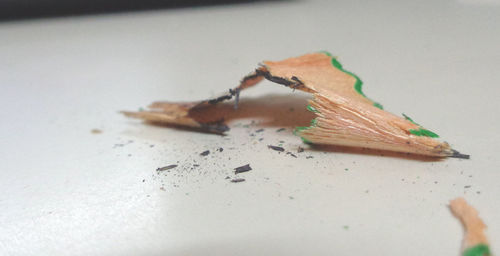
(276,148)
(237,180)
(237,98)
(244,168)
(205,153)
(345,116)
(168,167)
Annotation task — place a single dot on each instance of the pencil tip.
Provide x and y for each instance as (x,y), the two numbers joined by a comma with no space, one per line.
(457,154)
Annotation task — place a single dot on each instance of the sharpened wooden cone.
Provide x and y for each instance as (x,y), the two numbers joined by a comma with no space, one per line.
(345,116)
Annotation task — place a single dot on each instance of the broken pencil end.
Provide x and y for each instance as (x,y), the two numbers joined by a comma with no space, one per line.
(475,241)
(345,116)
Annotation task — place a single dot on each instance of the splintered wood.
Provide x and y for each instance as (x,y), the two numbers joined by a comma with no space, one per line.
(344,115)
(475,242)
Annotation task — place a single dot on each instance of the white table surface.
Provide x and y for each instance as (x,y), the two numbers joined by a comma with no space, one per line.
(67,191)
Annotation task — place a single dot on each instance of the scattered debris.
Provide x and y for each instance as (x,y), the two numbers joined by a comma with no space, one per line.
(122,144)
(96,131)
(300,150)
(280,129)
(280,149)
(205,153)
(259,130)
(290,153)
(168,167)
(237,180)
(308,157)
(244,168)
(468,186)
(220,149)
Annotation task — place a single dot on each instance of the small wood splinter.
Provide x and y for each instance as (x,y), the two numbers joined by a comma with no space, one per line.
(344,115)
(475,242)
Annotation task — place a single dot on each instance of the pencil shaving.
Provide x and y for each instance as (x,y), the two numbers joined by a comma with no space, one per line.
(344,115)
(474,242)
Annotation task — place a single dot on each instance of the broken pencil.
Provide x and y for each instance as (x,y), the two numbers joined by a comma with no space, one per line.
(344,114)
(474,242)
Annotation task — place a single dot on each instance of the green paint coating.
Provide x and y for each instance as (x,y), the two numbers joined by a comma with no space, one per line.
(312,109)
(358,85)
(378,105)
(421,131)
(314,122)
(299,129)
(478,250)
(326,53)
(337,64)
(306,140)
(409,119)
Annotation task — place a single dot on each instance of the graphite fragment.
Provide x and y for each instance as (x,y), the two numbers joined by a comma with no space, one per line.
(244,168)
(276,148)
(168,167)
